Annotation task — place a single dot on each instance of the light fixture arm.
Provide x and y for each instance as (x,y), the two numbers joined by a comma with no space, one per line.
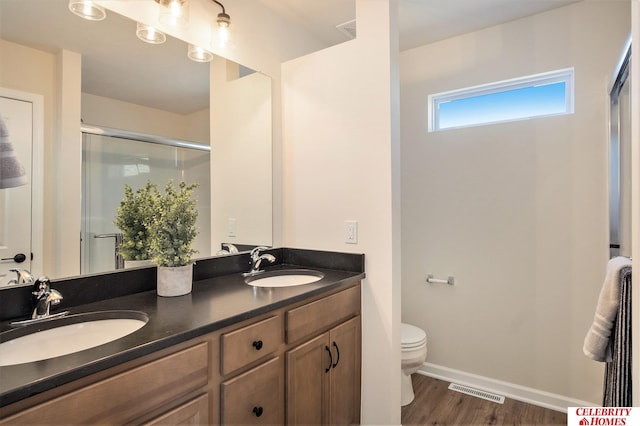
(223,19)
(221,6)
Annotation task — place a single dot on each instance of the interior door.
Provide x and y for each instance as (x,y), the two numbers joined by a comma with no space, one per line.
(16,140)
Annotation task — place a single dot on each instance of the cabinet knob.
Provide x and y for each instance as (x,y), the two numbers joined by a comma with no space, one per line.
(257,344)
(257,411)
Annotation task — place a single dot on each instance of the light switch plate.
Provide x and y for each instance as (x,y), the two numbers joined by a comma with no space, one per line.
(351,232)
(231,227)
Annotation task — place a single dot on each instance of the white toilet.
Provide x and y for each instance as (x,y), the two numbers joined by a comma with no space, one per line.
(414,353)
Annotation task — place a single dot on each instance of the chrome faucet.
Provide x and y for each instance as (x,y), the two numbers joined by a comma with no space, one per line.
(227,248)
(257,258)
(43,297)
(24,277)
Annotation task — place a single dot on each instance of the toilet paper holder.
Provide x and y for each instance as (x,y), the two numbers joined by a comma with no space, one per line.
(431,279)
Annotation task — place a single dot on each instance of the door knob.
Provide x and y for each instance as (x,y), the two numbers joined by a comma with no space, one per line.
(18,258)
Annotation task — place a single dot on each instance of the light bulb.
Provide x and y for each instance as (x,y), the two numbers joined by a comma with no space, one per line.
(174,13)
(87,9)
(148,34)
(198,54)
(221,33)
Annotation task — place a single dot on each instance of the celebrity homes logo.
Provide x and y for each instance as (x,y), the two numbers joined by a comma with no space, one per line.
(603,416)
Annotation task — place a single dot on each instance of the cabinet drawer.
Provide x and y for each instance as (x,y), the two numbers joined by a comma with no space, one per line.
(321,314)
(248,344)
(255,397)
(126,396)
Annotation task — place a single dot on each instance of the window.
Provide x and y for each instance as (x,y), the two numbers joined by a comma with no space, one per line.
(523,98)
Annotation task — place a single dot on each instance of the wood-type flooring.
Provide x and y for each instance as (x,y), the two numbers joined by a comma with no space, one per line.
(435,404)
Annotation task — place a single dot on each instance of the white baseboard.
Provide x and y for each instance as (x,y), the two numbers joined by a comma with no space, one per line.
(510,390)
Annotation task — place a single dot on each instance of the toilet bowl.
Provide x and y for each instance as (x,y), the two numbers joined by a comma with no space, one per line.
(414,353)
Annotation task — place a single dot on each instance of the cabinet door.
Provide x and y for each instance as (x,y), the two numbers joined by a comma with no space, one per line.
(308,369)
(345,343)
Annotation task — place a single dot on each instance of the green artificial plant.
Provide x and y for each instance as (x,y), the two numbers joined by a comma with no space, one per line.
(173,227)
(133,218)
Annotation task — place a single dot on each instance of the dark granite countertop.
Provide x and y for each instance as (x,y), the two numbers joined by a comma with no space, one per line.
(214,303)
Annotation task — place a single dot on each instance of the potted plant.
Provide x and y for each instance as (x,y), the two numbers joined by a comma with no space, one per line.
(133,218)
(172,231)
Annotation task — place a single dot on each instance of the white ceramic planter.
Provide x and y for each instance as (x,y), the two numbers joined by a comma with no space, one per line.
(174,281)
(137,263)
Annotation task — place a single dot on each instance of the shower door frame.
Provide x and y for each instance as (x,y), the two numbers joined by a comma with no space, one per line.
(621,77)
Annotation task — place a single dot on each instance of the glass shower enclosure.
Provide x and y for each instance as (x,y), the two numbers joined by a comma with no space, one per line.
(111,159)
(620,158)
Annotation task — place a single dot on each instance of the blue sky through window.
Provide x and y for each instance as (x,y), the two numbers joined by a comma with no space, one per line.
(521,103)
(549,93)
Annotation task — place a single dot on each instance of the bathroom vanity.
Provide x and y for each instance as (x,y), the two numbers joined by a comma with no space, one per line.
(228,353)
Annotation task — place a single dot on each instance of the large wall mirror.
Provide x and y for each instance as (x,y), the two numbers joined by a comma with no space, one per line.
(157,92)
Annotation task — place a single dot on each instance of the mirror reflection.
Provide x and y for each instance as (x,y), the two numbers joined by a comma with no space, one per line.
(154,90)
(108,164)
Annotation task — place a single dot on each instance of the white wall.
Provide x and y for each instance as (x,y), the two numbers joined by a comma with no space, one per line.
(263,41)
(107,112)
(340,143)
(517,212)
(67,171)
(34,71)
(241,167)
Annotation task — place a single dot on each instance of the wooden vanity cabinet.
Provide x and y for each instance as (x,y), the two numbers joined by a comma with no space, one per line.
(194,412)
(319,361)
(323,378)
(254,396)
(242,346)
(323,373)
(299,364)
(167,385)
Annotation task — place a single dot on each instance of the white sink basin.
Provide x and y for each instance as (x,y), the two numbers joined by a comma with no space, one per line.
(284,278)
(66,335)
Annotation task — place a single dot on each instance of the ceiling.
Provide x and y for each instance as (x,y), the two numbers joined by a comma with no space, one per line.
(115,63)
(163,77)
(420,21)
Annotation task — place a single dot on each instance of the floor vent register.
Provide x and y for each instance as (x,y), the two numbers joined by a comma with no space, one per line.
(499,399)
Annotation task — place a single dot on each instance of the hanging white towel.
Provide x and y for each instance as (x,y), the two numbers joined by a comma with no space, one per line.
(596,343)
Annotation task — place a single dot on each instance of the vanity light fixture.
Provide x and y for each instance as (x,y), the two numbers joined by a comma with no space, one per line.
(148,34)
(174,13)
(198,54)
(223,22)
(87,9)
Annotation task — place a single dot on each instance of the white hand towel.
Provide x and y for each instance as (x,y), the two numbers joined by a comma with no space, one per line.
(596,343)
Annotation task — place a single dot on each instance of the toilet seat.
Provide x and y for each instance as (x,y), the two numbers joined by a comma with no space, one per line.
(412,337)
